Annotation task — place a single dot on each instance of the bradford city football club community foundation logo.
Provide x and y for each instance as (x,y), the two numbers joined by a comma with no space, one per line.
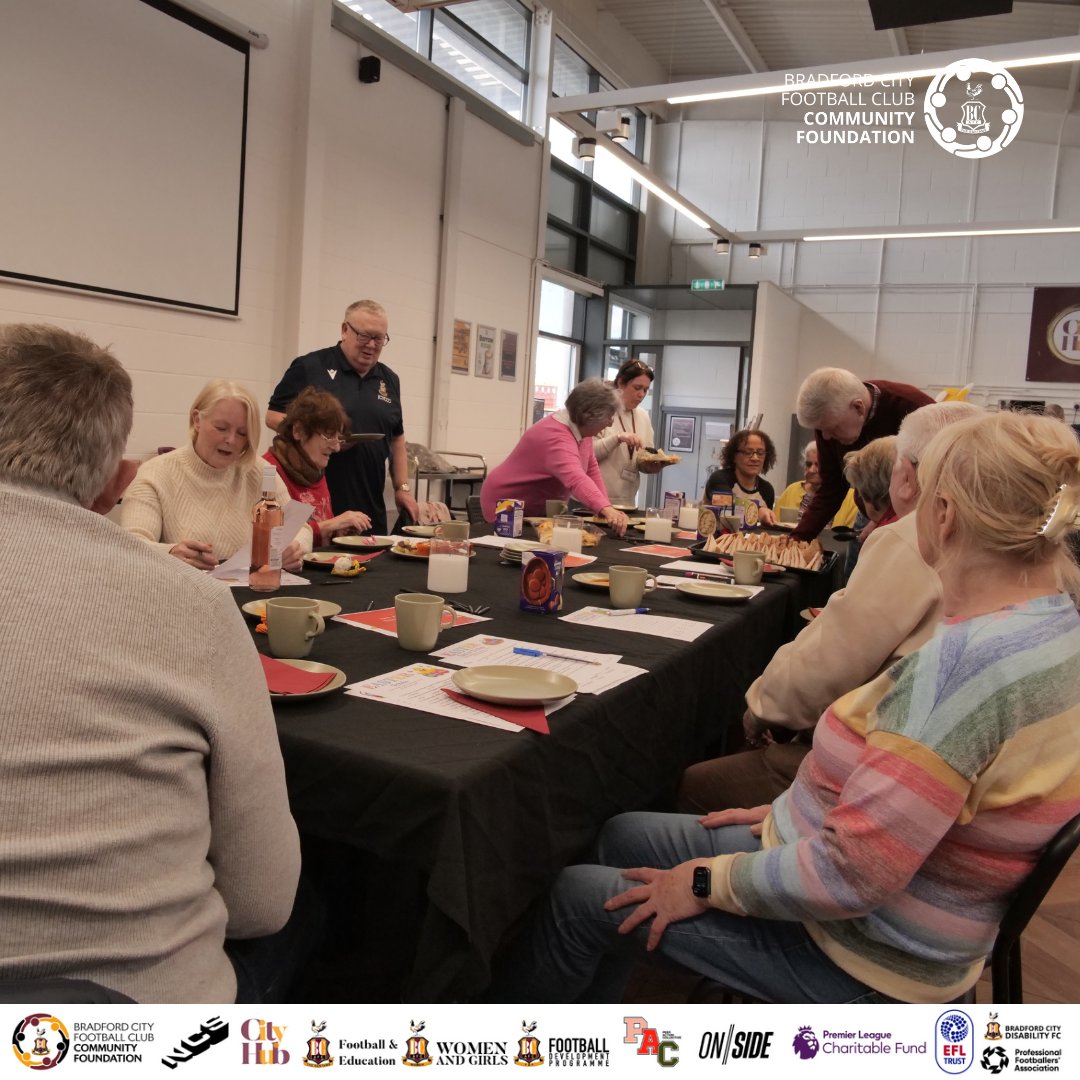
(40,1041)
(973,108)
(805,1043)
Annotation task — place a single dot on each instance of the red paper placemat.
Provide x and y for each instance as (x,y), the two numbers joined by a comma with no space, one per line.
(529,716)
(285,679)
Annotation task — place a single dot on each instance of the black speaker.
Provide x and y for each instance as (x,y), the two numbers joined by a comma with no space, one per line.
(370,68)
(889,14)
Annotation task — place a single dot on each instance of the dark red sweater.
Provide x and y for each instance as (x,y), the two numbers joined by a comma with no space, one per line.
(894,402)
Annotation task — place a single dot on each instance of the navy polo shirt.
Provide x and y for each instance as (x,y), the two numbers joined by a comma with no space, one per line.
(356,477)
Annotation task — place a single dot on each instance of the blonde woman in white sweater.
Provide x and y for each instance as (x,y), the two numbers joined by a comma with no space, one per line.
(196,502)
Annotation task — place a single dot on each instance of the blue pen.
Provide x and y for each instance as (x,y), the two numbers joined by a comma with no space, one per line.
(522,651)
(631,611)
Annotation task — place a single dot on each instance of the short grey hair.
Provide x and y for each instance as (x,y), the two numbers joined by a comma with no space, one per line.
(67,411)
(826,392)
(920,426)
(869,470)
(811,445)
(372,307)
(591,401)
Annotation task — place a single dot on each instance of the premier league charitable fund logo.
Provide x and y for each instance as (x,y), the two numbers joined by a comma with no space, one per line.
(973,109)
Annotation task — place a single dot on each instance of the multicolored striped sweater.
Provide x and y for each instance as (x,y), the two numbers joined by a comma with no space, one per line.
(926,801)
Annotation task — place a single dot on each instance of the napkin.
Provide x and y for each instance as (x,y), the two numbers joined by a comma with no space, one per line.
(530,716)
(285,679)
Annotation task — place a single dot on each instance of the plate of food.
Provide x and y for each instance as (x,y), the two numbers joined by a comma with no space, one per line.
(365,543)
(314,668)
(507,684)
(337,563)
(256,609)
(418,549)
(591,581)
(419,530)
(798,556)
(590,534)
(768,568)
(718,592)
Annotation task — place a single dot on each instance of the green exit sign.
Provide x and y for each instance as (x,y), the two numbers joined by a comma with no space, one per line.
(706,284)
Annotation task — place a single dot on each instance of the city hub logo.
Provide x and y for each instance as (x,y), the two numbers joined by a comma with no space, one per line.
(805,1043)
(262,1043)
(973,117)
(40,1041)
(954,1041)
(660,1045)
(210,1033)
(528,1046)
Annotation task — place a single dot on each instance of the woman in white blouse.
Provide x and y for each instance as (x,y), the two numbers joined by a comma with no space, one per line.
(616,447)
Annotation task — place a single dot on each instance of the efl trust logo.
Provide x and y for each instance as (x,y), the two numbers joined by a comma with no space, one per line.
(262,1043)
(972,116)
(661,1045)
(954,1041)
(40,1041)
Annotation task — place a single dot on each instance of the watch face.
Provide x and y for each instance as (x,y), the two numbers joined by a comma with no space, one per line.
(702,885)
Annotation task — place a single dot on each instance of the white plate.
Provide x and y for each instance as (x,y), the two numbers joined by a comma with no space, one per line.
(365,543)
(419,530)
(256,608)
(335,683)
(505,684)
(366,436)
(406,553)
(324,560)
(717,591)
(592,580)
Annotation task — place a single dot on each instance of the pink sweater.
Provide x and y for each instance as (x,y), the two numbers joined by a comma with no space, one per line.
(550,461)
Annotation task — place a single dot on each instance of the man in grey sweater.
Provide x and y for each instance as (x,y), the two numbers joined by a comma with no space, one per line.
(143,808)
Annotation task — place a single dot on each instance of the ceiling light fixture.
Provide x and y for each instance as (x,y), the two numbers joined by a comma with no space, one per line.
(756,251)
(585,148)
(930,234)
(722,246)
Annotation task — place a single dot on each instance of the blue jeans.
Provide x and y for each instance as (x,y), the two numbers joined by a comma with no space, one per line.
(575,953)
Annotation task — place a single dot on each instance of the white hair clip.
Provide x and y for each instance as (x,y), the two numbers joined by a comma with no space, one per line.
(1064,514)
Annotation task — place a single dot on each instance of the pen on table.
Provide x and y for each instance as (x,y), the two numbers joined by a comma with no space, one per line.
(554,655)
(630,611)
(370,605)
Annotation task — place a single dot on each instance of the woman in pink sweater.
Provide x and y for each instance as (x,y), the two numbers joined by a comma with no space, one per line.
(555,459)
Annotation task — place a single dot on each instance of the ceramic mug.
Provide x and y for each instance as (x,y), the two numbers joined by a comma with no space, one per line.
(748,567)
(292,622)
(452,530)
(419,618)
(789,514)
(554,507)
(627,585)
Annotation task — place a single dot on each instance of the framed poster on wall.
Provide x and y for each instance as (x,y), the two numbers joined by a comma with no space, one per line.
(485,352)
(681,434)
(459,354)
(1054,343)
(508,356)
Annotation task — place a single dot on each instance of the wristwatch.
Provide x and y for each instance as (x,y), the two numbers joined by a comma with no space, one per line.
(702,884)
(403,487)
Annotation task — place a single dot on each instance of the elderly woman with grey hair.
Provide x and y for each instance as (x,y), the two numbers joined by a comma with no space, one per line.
(555,459)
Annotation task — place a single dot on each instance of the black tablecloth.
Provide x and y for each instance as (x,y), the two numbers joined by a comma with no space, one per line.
(489,817)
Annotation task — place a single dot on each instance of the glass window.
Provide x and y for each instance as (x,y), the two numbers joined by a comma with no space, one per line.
(560,249)
(563,197)
(611,176)
(609,269)
(570,74)
(610,223)
(504,25)
(467,62)
(556,368)
(557,309)
(562,144)
(398,24)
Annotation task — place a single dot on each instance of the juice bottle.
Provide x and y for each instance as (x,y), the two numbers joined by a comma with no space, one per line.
(267,520)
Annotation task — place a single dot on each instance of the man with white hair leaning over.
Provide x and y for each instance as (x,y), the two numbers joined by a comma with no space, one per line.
(890,607)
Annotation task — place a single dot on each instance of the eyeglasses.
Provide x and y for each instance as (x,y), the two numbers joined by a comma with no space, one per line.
(378,340)
(751,453)
(638,367)
(332,440)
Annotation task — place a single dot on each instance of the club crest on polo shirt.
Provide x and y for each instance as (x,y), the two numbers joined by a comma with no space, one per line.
(332,372)
(384,394)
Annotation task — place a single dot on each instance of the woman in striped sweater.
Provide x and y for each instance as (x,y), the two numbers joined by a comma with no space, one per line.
(883,872)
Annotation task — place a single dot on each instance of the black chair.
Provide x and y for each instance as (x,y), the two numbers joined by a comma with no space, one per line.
(472,508)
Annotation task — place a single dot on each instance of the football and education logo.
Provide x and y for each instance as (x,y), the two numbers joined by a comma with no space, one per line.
(954,1041)
(994,1059)
(528,1053)
(805,1044)
(40,1041)
(318,1048)
(416,1046)
(973,109)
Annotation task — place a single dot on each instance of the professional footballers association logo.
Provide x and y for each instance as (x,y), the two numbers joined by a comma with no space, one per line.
(40,1041)
(994,1059)
(973,108)
(805,1043)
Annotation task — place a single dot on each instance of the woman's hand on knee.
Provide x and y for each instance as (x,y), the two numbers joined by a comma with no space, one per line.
(753,816)
(664,896)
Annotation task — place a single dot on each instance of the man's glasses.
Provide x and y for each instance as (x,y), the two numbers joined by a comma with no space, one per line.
(751,453)
(378,340)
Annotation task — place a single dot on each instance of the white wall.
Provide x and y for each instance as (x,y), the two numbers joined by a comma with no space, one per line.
(930,312)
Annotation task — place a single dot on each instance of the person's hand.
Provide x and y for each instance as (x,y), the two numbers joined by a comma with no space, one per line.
(766,516)
(664,896)
(753,816)
(632,439)
(195,553)
(755,730)
(407,504)
(292,558)
(866,531)
(351,520)
(616,519)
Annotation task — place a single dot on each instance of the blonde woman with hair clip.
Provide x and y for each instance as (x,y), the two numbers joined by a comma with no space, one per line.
(883,872)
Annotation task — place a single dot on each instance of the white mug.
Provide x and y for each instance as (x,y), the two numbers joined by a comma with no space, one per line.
(628,584)
(748,567)
(419,620)
(292,622)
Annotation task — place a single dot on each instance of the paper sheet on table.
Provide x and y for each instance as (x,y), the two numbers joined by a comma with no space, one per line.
(666,579)
(296,515)
(695,566)
(663,551)
(574,560)
(241,581)
(665,626)
(420,686)
(384,620)
(591,678)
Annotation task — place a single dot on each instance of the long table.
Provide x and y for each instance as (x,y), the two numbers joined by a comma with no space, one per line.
(482,818)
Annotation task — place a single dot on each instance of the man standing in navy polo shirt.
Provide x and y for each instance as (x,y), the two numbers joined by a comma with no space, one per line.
(371,396)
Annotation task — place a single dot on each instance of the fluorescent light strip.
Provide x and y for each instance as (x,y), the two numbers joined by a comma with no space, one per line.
(944,232)
(848,82)
(646,182)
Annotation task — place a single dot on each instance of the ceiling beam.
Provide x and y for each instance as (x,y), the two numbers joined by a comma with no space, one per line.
(898,41)
(736,34)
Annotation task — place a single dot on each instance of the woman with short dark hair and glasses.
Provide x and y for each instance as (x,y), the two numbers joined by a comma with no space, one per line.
(616,447)
(315,426)
(745,456)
